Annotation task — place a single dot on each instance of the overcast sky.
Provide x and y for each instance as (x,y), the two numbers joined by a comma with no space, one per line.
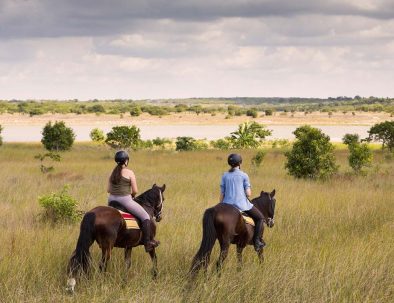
(140,49)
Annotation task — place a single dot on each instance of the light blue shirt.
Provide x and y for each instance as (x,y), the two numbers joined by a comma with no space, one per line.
(233,188)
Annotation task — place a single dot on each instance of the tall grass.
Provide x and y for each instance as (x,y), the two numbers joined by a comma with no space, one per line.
(332,242)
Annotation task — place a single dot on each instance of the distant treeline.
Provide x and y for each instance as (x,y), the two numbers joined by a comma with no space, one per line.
(230,106)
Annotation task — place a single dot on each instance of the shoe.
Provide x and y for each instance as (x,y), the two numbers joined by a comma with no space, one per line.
(259,245)
(150,245)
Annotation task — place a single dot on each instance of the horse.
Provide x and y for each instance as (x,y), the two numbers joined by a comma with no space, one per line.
(106,226)
(225,223)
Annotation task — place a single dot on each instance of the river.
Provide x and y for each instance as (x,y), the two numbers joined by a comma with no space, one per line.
(21,133)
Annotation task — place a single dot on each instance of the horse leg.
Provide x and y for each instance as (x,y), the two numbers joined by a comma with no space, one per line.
(153,257)
(224,242)
(127,257)
(239,257)
(105,256)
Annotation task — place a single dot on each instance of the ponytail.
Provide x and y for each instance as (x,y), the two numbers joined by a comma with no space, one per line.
(116,174)
(232,169)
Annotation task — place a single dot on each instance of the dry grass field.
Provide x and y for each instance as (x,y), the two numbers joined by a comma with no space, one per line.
(332,242)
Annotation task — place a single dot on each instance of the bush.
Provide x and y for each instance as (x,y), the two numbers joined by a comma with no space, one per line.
(135,111)
(59,207)
(57,137)
(268,112)
(251,113)
(161,142)
(383,132)
(360,154)
(311,155)
(222,144)
(258,158)
(97,108)
(185,143)
(124,137)
(97,135)
(51,155)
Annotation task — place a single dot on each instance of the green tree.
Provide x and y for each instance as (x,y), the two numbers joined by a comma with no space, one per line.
(312,154)
(57,137)
(185,144)
(222,144)
(360,154)
(251,113)
(383,132)
(268,112)
(97,135)
(161,142)
(97,108)
(124,137)
(248,135)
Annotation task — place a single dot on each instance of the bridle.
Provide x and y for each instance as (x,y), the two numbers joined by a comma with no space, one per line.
(160,205)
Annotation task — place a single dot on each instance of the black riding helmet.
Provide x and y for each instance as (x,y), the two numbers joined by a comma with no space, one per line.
(234,160)
(121,157)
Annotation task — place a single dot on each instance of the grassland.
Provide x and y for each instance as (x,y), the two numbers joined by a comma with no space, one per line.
(332,242)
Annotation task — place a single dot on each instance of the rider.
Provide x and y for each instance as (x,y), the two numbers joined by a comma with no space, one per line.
(235,190)
(122,187)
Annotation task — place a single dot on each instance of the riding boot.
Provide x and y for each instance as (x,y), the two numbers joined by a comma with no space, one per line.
(146,236)
(258,244)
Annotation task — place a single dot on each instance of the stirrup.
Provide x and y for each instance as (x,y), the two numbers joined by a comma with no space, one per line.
(151,245)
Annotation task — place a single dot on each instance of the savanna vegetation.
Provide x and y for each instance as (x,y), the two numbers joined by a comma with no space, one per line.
(252,107)
(332,241)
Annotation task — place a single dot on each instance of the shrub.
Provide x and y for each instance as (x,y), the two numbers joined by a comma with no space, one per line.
(248,135)
(97,108)
(383,132)
(135,111)
(311,155)
(268,112)
(57,137)
(201,145)
(251,113)
(360,154)
(124,137)
(51,155)
(258,158)
(59,207)
(97,135)
(222,144)
(185,143)
(161,142)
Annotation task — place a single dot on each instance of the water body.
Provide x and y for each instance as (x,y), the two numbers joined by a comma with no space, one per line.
(20,133)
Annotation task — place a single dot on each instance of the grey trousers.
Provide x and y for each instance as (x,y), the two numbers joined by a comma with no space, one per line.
(133,207)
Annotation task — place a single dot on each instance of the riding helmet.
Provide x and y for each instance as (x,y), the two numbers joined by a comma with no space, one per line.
(121,157)
(234,160)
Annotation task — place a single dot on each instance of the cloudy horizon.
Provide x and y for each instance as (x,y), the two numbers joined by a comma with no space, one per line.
(187,48)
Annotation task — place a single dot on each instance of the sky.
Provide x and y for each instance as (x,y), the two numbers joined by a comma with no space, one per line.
(144,49)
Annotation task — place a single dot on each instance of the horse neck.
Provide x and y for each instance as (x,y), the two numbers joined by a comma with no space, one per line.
(258,203)
(145,204)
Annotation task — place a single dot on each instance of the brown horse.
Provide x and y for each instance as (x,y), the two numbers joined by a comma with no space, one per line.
(225,223)
(106,226)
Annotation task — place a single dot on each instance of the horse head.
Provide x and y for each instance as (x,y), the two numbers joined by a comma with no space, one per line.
(266,203)
(153,198)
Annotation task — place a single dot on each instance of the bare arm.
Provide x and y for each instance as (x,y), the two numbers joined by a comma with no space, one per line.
(248,192)
(134,187)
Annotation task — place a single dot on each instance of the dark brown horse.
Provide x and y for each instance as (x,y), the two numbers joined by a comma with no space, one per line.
(106,226)
(225,223)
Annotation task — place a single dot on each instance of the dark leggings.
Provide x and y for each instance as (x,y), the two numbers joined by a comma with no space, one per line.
(258,219)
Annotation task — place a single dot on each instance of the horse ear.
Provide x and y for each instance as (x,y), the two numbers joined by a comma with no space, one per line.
(163,188)
(154,185)
(262,192)
(272,194)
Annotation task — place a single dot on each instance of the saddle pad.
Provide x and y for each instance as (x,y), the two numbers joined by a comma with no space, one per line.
(248,220)
(131,222)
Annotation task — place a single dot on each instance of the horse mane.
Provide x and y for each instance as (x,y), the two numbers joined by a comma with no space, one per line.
(146,197)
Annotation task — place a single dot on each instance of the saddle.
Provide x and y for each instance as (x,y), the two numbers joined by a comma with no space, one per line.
(247,219)
(130,220)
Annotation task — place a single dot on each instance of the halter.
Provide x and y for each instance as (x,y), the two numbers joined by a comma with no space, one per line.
(160,204)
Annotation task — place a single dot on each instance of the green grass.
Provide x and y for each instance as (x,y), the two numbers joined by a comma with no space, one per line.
(332,242)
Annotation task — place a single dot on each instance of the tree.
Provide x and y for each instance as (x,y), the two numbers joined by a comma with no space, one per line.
(251,113)
(248,135)
(57,137)
(1,138)
(97,135)
(124,137)
(360,154)
(383,132)
(185,144)
(311,155)
(268,112)
(161,142)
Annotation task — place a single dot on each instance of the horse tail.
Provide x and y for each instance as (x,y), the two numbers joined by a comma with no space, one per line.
(81,256)
(208,241)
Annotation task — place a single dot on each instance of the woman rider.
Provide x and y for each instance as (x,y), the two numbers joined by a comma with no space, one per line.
(235,190)
(122,187)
